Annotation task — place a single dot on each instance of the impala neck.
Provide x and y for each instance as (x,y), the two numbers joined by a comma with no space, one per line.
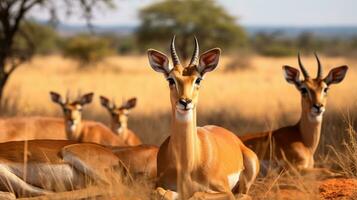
(184,141)
(310,131)
(74,129)
(121,130)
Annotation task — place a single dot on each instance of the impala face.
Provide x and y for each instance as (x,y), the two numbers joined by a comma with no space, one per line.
(314,90)
(184,82)
(72,110)
(120,114)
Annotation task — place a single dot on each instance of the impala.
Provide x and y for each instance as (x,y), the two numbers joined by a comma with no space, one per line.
(140,160)
(119,119)
(295,145)
(39,167)
(30,128)
(198,162)
(84,131)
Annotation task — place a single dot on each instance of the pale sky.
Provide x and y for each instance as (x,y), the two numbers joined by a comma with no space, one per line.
(249,12)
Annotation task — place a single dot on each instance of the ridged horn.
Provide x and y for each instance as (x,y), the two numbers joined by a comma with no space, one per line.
(302,68)
(174,56)
(196,51)
(319,66)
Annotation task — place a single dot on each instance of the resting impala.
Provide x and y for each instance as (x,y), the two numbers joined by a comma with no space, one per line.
(30,128)
(297,144)
(198,162)
(62,165)
(119,119)
(84,131)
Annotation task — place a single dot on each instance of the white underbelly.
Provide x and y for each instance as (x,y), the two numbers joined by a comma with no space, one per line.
(233,179)
(58,177)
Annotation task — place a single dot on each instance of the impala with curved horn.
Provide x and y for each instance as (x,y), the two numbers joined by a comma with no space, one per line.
(297,144)
(119,119)
(84,131)
(198,162)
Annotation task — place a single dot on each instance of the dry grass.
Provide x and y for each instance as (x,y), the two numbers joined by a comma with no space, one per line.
(233,99)
(242,101)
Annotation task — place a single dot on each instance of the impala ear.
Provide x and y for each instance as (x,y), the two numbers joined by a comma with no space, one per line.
(291,75)
(131,103)
(86,99)
(105,102)
(56,98)
(336,75)
(209,61)
(159,61)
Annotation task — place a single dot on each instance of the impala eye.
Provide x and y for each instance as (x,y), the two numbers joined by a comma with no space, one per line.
(171,81)
(326,90)
(198,81)
(303,91)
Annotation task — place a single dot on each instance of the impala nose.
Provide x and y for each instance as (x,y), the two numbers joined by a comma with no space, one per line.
(318,108)
(185,103)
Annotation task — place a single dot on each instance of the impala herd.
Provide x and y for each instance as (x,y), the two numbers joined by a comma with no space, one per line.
(42,155)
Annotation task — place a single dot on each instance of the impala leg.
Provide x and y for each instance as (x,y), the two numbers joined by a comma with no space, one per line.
(213,196)
(319,172)
(12,183)
(250,172)
(162,194)
(99,166)
(7,196)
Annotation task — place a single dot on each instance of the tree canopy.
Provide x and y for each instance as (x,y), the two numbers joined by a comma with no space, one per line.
(12,15)
(185,18)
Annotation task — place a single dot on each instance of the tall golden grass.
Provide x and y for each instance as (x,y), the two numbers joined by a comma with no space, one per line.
(231,99)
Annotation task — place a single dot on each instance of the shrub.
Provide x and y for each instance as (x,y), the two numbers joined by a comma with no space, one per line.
(87,50)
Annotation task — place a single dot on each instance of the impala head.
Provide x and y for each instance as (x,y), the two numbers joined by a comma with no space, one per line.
(119,114)
(314,90)
(184,81)
(72,110)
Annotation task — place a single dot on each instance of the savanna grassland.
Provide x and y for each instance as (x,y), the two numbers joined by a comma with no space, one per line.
(249,100)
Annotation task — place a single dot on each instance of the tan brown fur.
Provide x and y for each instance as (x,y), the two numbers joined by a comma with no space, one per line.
(29,128)
(62,165)
(81,130)
(295,145)
(140,160)
(194,162)
(119,120)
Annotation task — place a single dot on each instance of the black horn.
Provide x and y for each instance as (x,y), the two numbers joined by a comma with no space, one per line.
(303,70)
(319,66)
(174,56)
(194,59)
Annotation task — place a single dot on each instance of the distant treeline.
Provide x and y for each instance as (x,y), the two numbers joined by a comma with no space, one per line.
(90,48)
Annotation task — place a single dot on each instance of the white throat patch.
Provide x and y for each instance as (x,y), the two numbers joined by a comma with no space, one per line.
(184,116)
(315,118)
(120,130)
(72,125)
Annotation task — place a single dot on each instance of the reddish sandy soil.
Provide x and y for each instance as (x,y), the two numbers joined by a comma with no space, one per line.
(331,189)
(338,189)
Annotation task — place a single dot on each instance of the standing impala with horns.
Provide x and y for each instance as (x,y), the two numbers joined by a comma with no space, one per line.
(198,162)
(297,144)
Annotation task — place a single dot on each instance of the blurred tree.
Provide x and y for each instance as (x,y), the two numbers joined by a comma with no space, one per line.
(307,42)
(44,38)
(273,44)
(13,14)
(87,49)
(204,18)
